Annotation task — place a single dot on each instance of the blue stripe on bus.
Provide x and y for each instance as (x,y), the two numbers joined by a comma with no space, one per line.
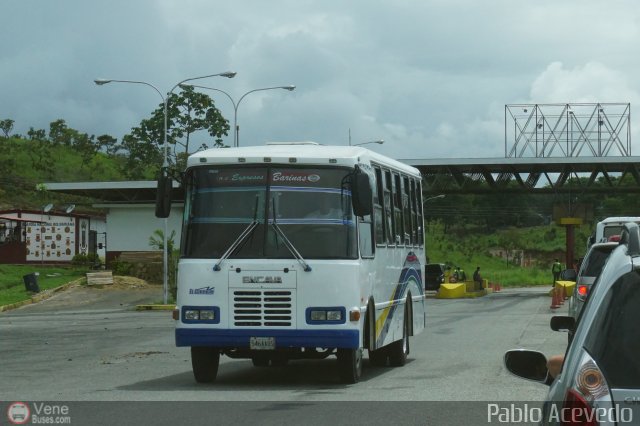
(232,189)
(221,220)
(316,221)
(284,338)
(240,220)
(310,189)
(398,296)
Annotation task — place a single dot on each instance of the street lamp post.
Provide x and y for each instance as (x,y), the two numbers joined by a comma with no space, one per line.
(165,159)
(236,128)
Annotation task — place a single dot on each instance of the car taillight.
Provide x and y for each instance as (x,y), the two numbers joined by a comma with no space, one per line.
(590,382)
(588,393)
(576,411)
(582,291)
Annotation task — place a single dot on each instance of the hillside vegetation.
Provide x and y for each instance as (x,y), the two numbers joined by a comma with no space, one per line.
(461,230)
(469,250)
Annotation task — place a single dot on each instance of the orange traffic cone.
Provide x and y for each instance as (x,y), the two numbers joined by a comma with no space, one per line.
(555,298)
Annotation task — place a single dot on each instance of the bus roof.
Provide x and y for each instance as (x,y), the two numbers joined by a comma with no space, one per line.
(309,153)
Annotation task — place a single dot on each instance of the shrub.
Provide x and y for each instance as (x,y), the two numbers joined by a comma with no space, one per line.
(121,268)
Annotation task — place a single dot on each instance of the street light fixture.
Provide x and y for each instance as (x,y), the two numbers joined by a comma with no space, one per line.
(165,160)
(236,128)
(433,198)
(381,141)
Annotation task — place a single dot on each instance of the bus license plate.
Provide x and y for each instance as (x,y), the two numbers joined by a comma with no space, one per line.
(262,343)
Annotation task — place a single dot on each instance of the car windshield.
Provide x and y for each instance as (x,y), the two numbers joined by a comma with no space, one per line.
(311,206)
(614,337)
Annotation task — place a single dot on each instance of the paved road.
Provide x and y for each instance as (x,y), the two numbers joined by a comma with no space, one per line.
(89,345)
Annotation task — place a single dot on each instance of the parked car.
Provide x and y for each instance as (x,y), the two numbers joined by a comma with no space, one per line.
(600,376)
(590,269)
(433,275)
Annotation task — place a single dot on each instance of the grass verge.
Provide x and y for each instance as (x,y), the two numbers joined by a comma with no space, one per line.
(12,288)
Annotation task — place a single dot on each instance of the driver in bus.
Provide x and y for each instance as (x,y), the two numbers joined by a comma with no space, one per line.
(324,210)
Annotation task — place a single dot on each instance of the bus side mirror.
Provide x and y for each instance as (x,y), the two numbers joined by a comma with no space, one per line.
(361,194)
(163,196)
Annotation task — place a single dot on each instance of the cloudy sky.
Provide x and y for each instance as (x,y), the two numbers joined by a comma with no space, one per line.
(430,77)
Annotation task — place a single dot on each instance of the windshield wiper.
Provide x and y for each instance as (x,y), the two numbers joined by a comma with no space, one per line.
(288,244)
(243,236)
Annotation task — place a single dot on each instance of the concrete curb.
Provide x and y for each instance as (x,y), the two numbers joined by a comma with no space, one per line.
(38,297)
(155,307)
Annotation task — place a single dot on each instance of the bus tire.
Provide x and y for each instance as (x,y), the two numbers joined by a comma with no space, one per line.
(399,350)
(204,362)
(350,365)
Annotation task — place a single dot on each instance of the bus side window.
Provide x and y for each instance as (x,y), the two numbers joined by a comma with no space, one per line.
(420,218)
(414,213)
(388,208)
(397,209)
(406,210)
(365,236)
(378,210)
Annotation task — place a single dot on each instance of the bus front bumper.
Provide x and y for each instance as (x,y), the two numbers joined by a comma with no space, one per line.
(224,338)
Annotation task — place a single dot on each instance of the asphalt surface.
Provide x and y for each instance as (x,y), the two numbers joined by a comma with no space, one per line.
(89,344)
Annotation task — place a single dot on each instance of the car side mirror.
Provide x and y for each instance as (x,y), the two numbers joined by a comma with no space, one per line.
(568,275)
(562,323)
(530,365)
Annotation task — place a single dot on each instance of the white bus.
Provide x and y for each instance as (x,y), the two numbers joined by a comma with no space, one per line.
(298,250)
(610,227)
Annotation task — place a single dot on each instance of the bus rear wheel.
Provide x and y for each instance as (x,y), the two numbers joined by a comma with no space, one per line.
(204,362)
(350,365)
(399,350)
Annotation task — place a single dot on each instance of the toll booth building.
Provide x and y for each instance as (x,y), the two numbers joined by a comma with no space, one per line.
(50,235)
(129,208)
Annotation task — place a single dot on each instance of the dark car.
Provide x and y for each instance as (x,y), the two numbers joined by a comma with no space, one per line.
(433,276)
(591,267)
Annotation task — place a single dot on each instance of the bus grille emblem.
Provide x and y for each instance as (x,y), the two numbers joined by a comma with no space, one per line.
(262,280)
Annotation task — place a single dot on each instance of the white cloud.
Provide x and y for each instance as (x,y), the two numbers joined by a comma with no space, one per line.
(430,77)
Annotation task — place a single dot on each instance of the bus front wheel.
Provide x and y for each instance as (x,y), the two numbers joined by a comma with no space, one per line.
(350,365)
(204,362)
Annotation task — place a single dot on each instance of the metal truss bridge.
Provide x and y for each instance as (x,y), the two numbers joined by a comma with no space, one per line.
(528,175)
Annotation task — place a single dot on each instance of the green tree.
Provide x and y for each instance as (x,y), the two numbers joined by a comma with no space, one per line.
(6,126)
(40,153)
(108,144)
(188,112)
(508,241)
(36,135)
(60,133)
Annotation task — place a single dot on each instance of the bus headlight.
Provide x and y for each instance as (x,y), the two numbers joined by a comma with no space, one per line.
(200,314)
(329,315)
(318,315)
(207,315)
(334,316)
(191,314)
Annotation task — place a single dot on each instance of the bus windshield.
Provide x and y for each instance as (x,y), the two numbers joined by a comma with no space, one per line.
(310,206)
